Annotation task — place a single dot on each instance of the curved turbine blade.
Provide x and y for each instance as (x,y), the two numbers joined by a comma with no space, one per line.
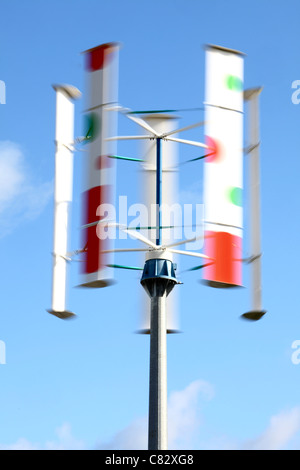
(140,237)
(197,124)
(119,157)
(109,222)
(129,137)
(124,250)
(190,253)
(196,268)
(143,124)
(120,266)
(189,142)
(182,242)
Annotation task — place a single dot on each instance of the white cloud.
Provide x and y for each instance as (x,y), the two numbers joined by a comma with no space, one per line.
(281,430)
(65,441)
(20,444)
(184,419)
(185,425)
(21,198)
(184,414)
(11,173)
(132,437)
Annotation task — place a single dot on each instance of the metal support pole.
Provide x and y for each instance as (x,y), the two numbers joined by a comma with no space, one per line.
(157,432)
(158,190)
(158,280)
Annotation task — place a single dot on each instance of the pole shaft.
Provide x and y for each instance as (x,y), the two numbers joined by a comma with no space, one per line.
(158,189)
(157,431)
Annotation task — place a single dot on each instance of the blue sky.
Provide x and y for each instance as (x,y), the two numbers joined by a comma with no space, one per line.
(83,384)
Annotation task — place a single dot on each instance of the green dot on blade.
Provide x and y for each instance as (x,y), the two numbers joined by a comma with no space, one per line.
(236,196)
(92,126)
(234,83)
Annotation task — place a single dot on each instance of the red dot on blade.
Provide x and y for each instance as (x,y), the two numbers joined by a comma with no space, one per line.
(213,151)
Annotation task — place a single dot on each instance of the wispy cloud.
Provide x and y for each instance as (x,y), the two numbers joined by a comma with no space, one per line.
(64,441)
(281,429)
(184,419)
(20,444)
(21,197)
(132,437)
(186,426)
(184,413)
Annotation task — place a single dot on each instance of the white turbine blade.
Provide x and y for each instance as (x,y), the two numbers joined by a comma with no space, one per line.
(223,172)
(129,137)
(255,202)
(125,250)
(103,221)
(132,233)
(63,192)
(125,229)
(140,237)
(189,253)
(197,124)
(101,69)
(143,124)
(119,108)
(182,242)
(189,142)
(257,311)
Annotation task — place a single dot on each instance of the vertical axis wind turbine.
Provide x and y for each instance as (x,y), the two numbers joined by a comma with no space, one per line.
(223,185)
